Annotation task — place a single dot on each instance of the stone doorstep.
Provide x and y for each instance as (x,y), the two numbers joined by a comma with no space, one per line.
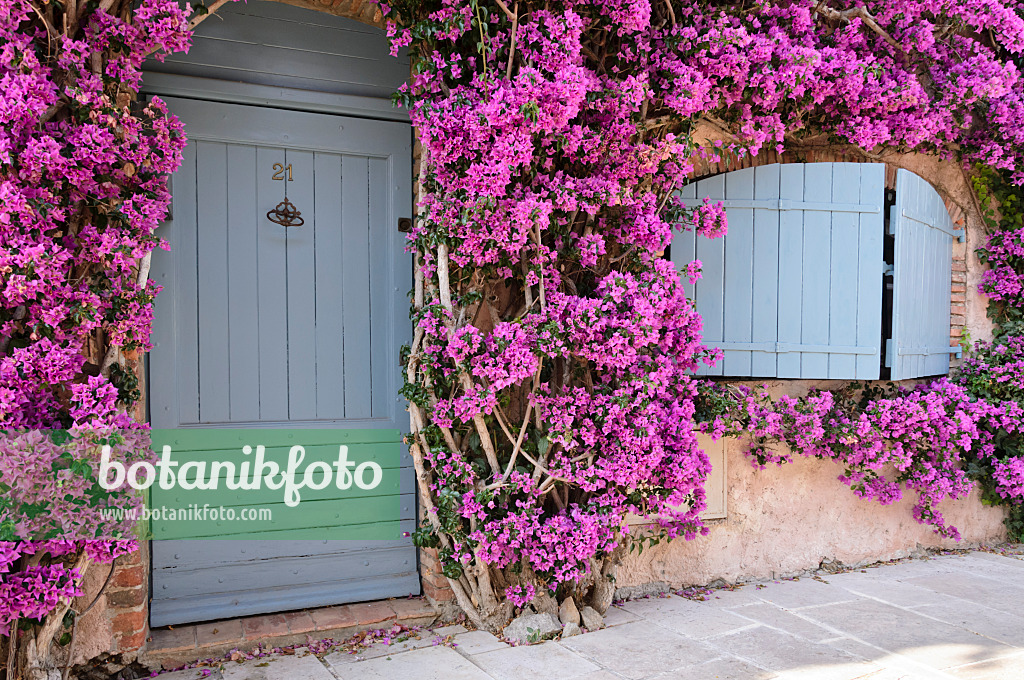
(178,645)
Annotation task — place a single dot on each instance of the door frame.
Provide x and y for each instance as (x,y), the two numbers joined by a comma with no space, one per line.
(368,109)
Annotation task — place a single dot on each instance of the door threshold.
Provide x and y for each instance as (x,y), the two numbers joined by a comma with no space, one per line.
(175,646)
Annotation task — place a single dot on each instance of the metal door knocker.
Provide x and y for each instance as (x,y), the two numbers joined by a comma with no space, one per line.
(286,214)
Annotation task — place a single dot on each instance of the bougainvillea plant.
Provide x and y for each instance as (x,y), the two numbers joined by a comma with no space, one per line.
(994,370)
(549,376)
(83,168)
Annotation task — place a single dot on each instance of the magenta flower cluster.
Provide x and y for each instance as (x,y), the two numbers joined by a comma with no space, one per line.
(56,506)
(83,184)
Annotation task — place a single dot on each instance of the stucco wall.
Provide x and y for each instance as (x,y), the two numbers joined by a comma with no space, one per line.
(783,520)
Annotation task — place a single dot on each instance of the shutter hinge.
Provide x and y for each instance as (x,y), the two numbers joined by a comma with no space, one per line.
(888,353)
(960,235)
(888,269)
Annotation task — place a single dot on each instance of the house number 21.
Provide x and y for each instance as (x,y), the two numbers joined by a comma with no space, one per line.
(280,170)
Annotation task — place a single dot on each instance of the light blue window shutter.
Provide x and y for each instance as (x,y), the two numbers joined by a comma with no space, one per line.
(922,268)
(795,288)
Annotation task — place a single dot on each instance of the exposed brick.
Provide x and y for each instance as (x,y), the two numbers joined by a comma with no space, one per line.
(958,288)
(129,577)
(959,277)
(130,643)
(333,617)
(958,297)
(259,627)
(371,612)
(126,599)
(300,622)
(957,320)
(129,622)
(435,578)
(959,265)
(958,309)
(168,640)
(219,632)
(129,560)
(437,594)
(956,332)
(412,608)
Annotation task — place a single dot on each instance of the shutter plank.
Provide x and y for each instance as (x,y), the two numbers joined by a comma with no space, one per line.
(213,282)
(817,258)
(791,263)
(923,267)
(843,271)
(765,301)
(869,286)
(739,268)
(710,289)
(244,353)
(684,246)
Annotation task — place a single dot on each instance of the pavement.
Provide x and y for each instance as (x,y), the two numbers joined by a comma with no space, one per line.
(949,617)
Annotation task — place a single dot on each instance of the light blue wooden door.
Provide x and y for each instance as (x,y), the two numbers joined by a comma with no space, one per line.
(267,326)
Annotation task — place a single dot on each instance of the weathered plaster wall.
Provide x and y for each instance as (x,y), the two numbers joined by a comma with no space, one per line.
(784,520)
(789,519)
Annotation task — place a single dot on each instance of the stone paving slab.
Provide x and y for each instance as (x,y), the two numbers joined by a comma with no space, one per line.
(429,663)
(991,623)
(769,615)
(638,650)
(1010,668)
(785,653)
(307,667)
(542,662)
(193,674)
(616,616)
(958,617)
(686,617)
(478,642)
(902,631)
(719,669)
(804,593)
(899,593)
(995,593)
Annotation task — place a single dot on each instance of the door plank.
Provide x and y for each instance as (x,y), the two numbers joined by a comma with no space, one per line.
(301,283)
(212,255)
(272,291)
(329,295)
(355,238)
(243,335)
(383,292)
